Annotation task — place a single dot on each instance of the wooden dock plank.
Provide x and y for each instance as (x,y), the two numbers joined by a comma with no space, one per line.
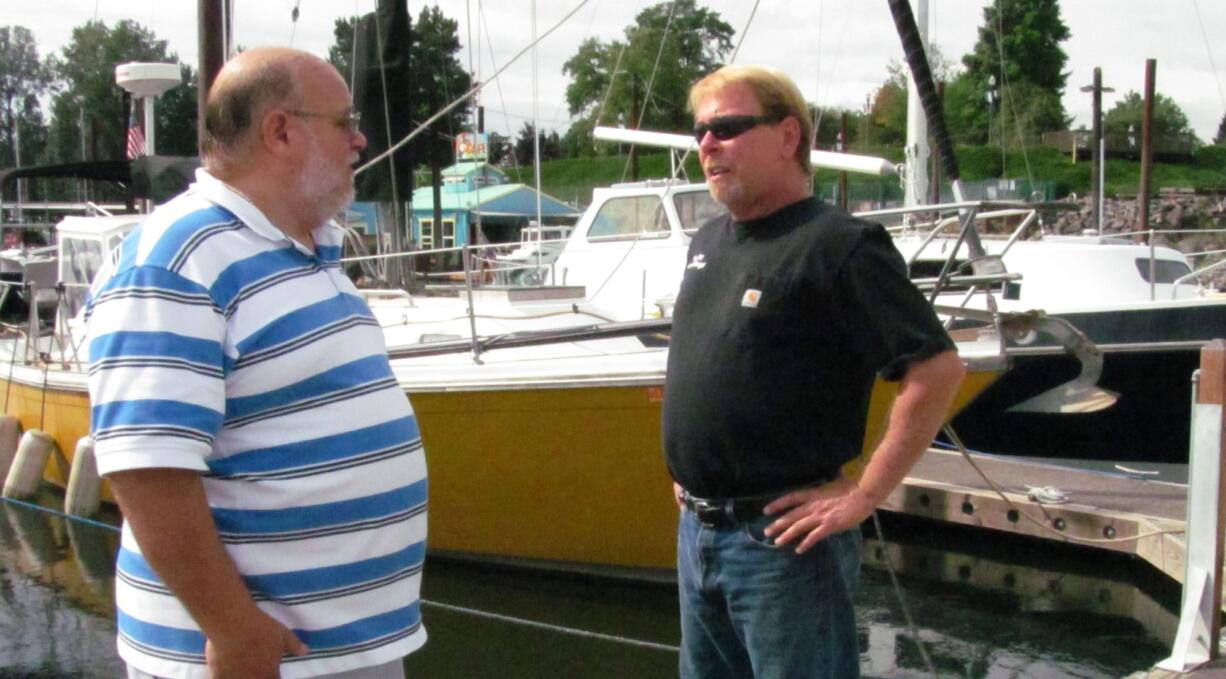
(1101,508)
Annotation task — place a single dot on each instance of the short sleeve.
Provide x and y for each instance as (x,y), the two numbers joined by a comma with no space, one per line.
(157,371)
(885,315)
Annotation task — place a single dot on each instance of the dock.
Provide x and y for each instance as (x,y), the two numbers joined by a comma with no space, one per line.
(1138,516)
(1101,510)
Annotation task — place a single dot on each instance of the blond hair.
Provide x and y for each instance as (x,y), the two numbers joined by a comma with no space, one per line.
(775,92)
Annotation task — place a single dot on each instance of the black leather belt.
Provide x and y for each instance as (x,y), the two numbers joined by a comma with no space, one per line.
(728,512)
(734,511)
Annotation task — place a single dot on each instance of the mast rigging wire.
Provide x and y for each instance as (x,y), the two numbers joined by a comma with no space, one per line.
(651,79)
(1008,92)
(472,91)
(1209,51)
(506,120)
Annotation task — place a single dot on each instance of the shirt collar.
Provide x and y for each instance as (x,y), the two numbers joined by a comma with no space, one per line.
(220,193)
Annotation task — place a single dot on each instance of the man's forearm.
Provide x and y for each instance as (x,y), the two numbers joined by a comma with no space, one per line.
(167,511)
(920,408)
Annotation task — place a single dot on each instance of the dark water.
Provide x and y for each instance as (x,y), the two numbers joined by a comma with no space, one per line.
(984,607)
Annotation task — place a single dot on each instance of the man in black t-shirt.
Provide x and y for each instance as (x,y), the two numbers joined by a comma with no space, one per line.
(788,311)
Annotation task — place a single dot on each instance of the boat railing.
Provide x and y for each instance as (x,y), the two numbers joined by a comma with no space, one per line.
(969,215)
(480,265)
(980,212)
(1196,276)
(63,347)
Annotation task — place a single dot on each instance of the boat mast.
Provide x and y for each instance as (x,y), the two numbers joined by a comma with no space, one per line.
(536,147)
(915,179)
(213,18)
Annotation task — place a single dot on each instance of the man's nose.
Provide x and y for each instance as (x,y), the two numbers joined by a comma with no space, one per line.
(358,141)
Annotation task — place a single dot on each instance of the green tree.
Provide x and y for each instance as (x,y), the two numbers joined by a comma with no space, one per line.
(500,148)
(669,46)
(1026,34)
(888,113)
(550,144)
(91,104)
(1169,126)
(340,54)
(23,79)
(177,112)
(967,111)
(438,78)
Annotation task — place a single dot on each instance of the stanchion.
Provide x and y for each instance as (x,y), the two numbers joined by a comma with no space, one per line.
(1196,642)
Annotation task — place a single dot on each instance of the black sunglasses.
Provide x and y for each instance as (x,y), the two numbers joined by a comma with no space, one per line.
(724,128)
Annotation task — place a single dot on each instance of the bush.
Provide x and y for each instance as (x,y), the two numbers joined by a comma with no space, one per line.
(1210,157)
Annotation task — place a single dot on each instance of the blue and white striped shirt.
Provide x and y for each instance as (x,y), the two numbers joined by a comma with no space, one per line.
(220,345)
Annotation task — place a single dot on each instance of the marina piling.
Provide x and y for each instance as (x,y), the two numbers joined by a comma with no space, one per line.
(83,496)
(10,436)
(26,473)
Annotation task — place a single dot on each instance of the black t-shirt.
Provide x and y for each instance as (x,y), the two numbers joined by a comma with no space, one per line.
(780,328)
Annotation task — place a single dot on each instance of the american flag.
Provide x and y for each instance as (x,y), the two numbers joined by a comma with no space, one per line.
(136,137)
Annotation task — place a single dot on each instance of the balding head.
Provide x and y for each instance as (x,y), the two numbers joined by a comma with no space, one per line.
(246,87)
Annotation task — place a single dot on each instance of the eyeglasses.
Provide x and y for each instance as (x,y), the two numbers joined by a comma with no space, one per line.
(349,122)
(724,128)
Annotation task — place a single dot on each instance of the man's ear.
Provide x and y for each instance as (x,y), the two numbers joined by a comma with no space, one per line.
(274,131)
(790,127)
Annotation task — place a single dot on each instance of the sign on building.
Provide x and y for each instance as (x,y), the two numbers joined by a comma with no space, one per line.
(470,146)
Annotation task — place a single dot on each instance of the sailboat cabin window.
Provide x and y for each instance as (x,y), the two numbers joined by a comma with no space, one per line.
(630,217)
(1165,270)
(696,208)
(445,238)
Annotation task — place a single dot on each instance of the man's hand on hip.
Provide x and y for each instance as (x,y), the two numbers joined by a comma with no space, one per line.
(253,651)
(812,514)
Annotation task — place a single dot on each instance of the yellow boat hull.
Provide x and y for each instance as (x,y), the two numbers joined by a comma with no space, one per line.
(571,476)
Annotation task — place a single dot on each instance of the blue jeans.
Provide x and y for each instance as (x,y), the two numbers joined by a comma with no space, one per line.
(750,609)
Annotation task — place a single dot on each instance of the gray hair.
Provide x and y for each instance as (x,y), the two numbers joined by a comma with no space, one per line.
(234,105)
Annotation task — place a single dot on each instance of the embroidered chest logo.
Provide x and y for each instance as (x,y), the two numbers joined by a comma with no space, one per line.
(750,298)
(698,261)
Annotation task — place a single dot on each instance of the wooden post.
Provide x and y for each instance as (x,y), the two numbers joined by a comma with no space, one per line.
(1096,138)
(1212,392)
(211,31)
(1147,151)
(635,122)
(844,145)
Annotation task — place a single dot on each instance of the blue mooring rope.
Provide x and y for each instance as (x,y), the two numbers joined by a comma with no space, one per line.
(63,515)
(559,629)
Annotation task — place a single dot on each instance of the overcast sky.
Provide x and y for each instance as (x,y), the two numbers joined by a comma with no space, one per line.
(837,50)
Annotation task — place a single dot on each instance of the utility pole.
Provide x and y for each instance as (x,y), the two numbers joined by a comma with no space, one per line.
(1096,144)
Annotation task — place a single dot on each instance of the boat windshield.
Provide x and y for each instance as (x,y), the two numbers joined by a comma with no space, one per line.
(696,208)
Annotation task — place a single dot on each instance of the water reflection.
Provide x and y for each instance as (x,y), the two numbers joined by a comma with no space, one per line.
(57,616)
(988,608)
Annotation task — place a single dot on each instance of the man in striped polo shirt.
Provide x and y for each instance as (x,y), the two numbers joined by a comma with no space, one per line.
(269,468)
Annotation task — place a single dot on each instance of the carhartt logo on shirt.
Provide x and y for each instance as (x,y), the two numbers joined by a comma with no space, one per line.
(697,261)
(751,297)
